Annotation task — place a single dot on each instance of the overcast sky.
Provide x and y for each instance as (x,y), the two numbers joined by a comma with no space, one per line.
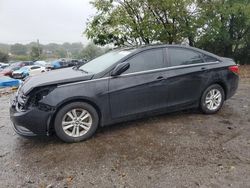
(23,21)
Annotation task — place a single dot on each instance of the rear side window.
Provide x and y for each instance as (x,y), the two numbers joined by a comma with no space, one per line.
(208,59)
(180,56)
(147,60)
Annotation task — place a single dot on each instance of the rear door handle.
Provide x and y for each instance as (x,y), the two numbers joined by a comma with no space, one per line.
(159,78)
(203,68)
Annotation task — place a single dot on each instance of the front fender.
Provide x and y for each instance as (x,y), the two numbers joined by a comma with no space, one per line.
(94,92)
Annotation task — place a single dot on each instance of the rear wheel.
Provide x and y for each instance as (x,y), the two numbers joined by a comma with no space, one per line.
(76,122)
(212,99)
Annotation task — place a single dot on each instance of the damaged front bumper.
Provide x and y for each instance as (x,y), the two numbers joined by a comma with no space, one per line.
(30,122)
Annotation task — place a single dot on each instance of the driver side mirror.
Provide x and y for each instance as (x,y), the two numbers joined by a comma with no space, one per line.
(120,68)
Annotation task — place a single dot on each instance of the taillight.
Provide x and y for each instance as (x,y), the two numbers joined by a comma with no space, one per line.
(234,69)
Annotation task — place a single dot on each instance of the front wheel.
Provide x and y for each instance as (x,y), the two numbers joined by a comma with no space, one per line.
(212,99)
(76,122)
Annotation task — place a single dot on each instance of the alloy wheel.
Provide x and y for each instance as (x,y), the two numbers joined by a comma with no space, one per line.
(77,122)
(213,99)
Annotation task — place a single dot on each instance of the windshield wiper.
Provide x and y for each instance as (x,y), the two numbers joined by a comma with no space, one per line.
(78,68)
(83,71)
(75,67)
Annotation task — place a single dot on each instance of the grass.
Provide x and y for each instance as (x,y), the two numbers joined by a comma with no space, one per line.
(245,71)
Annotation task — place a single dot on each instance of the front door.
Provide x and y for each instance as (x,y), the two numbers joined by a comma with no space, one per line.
(142,87)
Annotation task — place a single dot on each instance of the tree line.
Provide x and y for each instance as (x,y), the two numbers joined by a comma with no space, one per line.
(219,26)
(34,51)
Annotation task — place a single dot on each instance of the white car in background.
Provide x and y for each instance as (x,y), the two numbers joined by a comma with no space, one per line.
(41,63)
(28,71)
(3,65)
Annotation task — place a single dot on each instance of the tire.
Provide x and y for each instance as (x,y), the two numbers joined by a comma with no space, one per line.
(78,126)
(212,102)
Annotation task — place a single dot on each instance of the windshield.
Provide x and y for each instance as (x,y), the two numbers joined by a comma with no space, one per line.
(101,63)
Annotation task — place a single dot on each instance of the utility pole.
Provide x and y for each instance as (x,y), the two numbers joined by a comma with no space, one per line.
(38,48)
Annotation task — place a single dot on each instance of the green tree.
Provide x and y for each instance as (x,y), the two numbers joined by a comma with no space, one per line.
(137,22)
(219,26)
(18,49)
(4,57)
(4,48)
(226,27)
(91,51)
(61,53)
(36,52)
(20,58)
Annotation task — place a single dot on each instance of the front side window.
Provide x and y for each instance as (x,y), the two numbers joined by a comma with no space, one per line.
(147,60)
(179,56)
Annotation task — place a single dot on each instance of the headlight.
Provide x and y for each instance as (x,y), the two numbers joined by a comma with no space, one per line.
(38,94)
(22,99)
(20,102)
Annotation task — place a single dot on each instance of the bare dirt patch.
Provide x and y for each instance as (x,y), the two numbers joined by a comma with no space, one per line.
(184,149)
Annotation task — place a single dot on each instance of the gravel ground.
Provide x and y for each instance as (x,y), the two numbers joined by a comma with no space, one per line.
(184,149)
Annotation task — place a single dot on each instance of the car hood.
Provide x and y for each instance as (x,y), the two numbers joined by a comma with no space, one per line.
(61,76)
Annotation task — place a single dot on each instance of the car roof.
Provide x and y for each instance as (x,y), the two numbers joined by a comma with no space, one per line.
(40,61)
(30,66)
(153,46)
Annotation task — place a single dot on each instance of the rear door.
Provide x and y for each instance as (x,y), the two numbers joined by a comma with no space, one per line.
(142,87)
(190,72)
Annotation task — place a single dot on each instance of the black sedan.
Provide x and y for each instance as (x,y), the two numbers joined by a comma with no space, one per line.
(122,85)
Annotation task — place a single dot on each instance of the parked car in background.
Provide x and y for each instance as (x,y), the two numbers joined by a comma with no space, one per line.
(27,63)
(21,73)
(3,66)
(8,70)
(42,63)
(6,81)
(77,62)
(36,69)
(28,71)
(64,63)
(49,66)
(15,66)
(56,64)
(122,85)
